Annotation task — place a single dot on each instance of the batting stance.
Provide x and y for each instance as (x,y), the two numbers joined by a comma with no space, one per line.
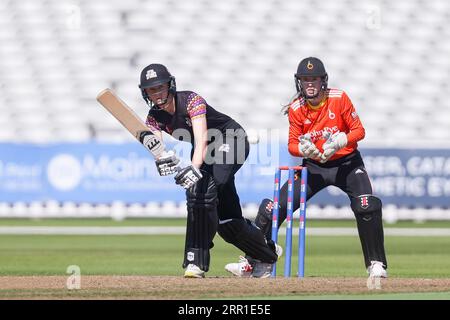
(324,129)
(219,149)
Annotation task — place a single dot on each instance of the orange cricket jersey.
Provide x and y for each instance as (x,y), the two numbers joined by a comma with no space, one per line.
(335,114)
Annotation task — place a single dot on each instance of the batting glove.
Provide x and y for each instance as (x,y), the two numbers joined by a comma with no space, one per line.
(167,164)
(188,177)
(335,142)
(307,148)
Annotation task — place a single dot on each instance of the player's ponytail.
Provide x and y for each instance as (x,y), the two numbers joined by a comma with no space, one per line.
(285,108)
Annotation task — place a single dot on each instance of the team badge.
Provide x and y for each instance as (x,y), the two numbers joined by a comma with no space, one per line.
(364,202)
(331,115)
(151,74)
(310,66)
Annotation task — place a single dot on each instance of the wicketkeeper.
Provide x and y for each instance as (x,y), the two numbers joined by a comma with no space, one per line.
(219,149)
(324,129)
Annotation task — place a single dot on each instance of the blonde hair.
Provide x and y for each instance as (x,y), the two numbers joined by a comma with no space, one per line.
(285,108)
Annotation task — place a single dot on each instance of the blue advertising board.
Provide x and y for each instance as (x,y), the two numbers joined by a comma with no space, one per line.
(103,173)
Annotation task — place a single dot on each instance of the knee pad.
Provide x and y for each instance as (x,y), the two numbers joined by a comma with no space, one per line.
(366,205)
(368,213)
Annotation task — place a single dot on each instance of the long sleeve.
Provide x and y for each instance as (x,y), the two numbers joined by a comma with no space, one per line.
(295,131)
(352,120)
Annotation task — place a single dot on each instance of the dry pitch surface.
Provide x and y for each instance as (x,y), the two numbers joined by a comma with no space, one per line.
(151,287)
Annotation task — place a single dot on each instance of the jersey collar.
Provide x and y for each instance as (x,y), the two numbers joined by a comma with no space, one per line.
(320,105)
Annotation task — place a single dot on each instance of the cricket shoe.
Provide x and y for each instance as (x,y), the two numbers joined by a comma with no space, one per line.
(192,271)
(253,268)
(242,269)
(245,269)
(263,269)
(377,270)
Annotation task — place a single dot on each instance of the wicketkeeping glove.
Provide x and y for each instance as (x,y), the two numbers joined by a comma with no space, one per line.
(167,164)
(308,148)
(336,142)
(188,176)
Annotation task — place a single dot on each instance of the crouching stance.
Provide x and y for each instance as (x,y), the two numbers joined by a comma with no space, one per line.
(324,130)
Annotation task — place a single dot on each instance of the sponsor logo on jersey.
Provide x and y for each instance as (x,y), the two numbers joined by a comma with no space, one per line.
(331,115)
(188,122)
(354,115)
(307,121)
(322,134)
(359,171)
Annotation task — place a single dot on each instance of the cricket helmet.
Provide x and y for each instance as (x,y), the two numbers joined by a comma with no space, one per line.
(310,67)
(155,75)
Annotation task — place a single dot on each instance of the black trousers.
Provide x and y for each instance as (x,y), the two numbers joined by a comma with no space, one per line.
(232,227)
(347,173)
(224,159)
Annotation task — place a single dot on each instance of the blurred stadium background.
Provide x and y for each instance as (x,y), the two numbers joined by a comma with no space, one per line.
(62,155)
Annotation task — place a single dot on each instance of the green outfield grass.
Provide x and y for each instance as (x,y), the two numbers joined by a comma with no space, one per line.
(162,255)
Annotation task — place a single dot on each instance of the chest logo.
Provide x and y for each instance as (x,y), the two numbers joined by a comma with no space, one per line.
(331,115)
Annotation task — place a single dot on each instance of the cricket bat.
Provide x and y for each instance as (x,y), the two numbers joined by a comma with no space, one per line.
(131,121)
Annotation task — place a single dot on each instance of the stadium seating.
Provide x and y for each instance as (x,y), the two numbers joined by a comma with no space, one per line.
(56,55)
(391,57)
